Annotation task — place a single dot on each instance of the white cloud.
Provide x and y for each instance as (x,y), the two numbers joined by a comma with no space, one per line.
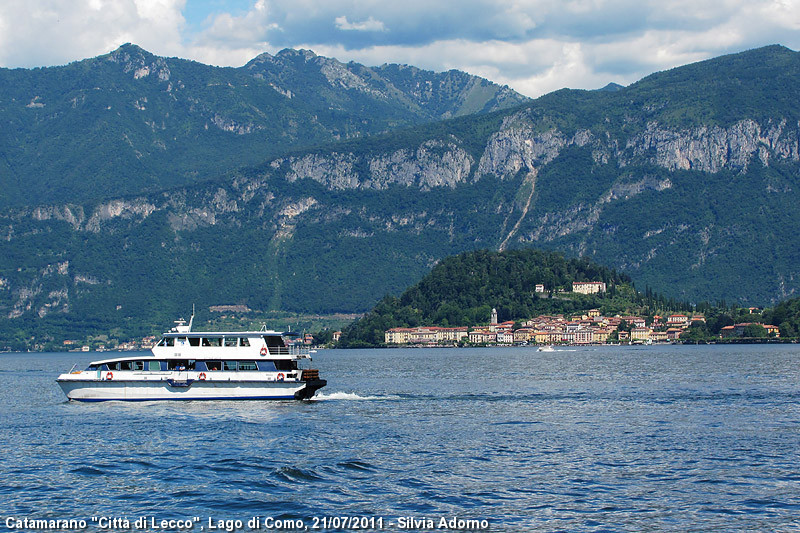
(52,32)
(368,25)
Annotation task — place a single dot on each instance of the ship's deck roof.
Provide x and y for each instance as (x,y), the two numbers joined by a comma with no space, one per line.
(226,334)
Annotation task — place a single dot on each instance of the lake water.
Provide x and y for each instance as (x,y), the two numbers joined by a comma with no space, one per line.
(664,438)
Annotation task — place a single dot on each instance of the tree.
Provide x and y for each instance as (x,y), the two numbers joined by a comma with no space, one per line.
(754,331)
(696,333)
(720,322)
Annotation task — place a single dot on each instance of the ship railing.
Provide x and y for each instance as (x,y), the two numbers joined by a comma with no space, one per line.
(295,352)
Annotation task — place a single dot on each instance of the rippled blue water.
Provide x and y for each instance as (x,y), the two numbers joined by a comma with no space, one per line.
(612,438)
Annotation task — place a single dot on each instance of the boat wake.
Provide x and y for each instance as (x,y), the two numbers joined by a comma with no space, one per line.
(350,396)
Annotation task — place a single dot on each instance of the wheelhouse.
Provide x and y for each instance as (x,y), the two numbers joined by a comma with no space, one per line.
(265,343)
(208,340)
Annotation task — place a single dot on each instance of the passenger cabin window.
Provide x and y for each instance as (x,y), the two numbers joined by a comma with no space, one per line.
(181,365)
(285,364)
(248,365)
(212,341)
(267,366)
(194,341)
(213,365)
(229,365)
(154,366)
(181,341)
(138,365)
(230,342)
(167,341)
(243,341)
(126,365)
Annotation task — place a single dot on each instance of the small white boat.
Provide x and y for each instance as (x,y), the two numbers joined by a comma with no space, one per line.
(545,349)
(187,365)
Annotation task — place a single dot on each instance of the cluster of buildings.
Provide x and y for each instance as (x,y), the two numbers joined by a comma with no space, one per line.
(738,330)
(588,328)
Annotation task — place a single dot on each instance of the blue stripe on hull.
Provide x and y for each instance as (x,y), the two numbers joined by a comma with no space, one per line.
(178,398)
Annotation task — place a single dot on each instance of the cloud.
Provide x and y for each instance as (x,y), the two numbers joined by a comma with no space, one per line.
(52,32)
(535,46)
(368,25)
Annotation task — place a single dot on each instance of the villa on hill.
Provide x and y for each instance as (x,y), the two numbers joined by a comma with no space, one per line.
(588,287)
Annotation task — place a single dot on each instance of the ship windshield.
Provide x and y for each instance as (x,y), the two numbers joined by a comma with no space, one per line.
(274,341)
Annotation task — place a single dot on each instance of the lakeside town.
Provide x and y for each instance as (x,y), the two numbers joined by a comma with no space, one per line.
(590,327)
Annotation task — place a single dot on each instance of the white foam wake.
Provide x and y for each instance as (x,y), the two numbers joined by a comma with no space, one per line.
(350,396)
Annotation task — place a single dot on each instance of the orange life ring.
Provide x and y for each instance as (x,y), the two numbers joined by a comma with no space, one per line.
(280,376)
(110,376)
(263,350)
(202,376)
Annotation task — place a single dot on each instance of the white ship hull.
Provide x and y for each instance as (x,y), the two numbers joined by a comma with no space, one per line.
(144,390)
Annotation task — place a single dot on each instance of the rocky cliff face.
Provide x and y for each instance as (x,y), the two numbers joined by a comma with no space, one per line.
(519,145)
(431,164)
(711,149)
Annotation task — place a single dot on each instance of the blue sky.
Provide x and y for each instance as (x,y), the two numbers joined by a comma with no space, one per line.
(534,46)
(198,12)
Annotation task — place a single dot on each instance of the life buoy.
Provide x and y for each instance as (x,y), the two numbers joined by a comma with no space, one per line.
(202,376)
(280,376)
(110,376)
(263,350)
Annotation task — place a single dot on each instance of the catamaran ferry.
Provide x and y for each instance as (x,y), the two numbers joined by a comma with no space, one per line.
(187,365)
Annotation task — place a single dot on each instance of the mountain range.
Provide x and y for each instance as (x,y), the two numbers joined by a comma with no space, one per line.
(129,122)
(300,183)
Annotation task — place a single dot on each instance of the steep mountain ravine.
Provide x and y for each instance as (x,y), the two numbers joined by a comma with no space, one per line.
(529,182)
